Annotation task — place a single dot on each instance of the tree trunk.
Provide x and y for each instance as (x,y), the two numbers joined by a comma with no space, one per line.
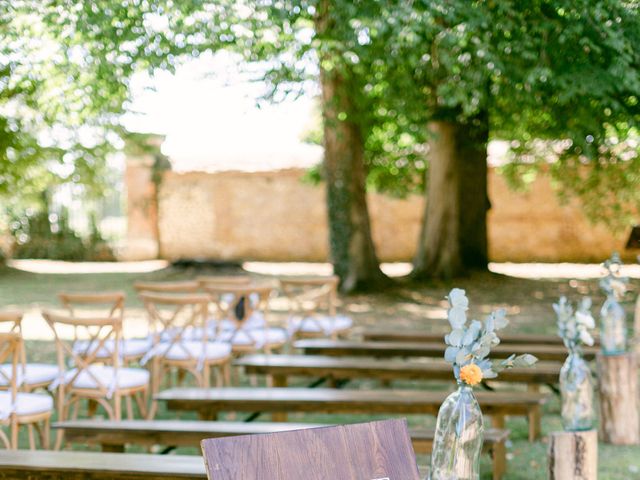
(618,378)
(573,455)
(352,250)
(453,238)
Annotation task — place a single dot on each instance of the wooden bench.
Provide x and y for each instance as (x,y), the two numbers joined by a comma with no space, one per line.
(553,353)
(281,367)
(278,401)
(113,436)
(28,464)
(429,337)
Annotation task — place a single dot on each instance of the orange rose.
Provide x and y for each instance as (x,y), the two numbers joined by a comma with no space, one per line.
(471,374)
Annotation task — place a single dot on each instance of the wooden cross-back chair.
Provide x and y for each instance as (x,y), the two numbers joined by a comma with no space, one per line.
(31,376)
(241,318)
(368,451)
(181,340)
(108,305)
(312,307)
(88,373)
(18,408)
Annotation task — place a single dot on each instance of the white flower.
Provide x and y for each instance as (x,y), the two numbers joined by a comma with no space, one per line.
(499,319)
(585,318)
(457,317)
(458,298)
(586,337)
(454,338)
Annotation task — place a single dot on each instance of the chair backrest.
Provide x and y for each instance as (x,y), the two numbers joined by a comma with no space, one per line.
(81,341)
(238,302)
(93,304)
(179,286)
(10,352)
(174,318)
(11,322)
(368,451)
(223,280)
(11,349)
(311,294)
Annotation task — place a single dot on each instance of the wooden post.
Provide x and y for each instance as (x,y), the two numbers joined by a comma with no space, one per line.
(618,378)
(573,455)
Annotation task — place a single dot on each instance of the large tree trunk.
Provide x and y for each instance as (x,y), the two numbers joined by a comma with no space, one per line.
(453,238)
(352,250)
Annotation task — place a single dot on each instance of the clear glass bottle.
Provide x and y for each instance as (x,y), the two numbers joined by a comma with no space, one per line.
(458,439)
(576,389)
(613,327)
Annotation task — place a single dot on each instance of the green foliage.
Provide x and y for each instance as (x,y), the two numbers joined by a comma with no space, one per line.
(36,236)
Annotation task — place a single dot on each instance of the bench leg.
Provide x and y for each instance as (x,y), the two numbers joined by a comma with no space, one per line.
(499,458)
(279,380)
(279,417)
(534,415)
(534,423)
(112,448)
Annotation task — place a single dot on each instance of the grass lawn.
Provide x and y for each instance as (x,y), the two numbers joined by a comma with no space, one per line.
(405,306)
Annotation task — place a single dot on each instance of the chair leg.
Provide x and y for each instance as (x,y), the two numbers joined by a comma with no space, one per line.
(61,417)
(32,438)
(129,403)
(92,407)
(226,373)
(14,426)
(45,433)
(206,376)
(117,407)
(76,408)
(141,401)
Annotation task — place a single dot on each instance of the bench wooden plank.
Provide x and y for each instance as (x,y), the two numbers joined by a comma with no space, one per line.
(429,337)
(373,450)
(209,402)
(553,353)
(21,464)
(280,367)
(115,435)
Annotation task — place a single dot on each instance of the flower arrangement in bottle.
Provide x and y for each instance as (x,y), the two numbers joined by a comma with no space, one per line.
(613,323)
(459,427)
(576,382)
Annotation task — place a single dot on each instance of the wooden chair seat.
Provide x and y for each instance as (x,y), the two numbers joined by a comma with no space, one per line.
(321,325)
(64,465)
(26,404)
(32,376)
(128,348)
(96,376)
(190,349)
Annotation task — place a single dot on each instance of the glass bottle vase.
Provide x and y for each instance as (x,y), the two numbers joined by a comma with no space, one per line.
(576,389)
(613,327)
(458,439)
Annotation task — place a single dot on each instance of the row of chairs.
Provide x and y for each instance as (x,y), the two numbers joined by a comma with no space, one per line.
(96,363)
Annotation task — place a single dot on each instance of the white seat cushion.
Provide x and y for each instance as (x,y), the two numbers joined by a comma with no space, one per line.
(324,324)
(194,350)
(33,374)
(129,347)
(258,337)
(126,377)
(256,320)
(26,404)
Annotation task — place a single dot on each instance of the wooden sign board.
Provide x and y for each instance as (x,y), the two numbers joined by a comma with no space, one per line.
(367,451)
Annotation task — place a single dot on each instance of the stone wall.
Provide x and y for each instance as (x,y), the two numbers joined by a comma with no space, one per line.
(275,216)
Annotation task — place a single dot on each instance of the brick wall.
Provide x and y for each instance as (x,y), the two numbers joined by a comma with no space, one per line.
(275,216)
